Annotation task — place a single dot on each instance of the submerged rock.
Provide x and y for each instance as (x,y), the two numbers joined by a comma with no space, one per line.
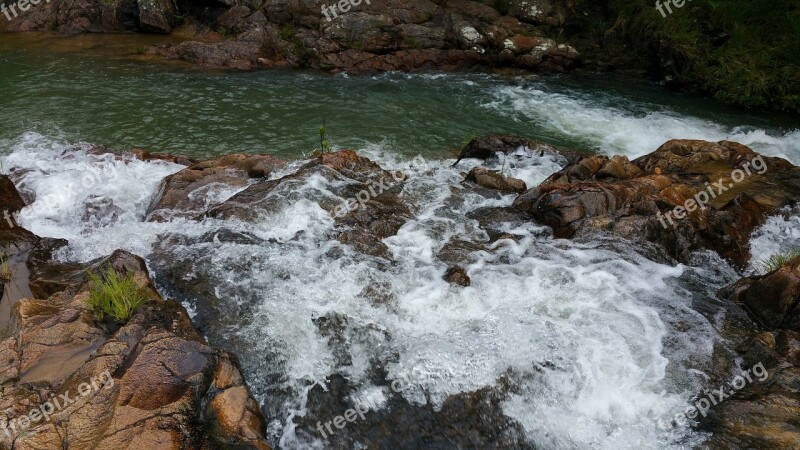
(684,196)
(457,275)
(486,147)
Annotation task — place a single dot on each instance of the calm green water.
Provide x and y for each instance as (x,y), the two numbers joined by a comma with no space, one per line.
(93,89)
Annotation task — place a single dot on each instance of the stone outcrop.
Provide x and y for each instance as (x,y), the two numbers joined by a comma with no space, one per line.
(658,197)
(184,194)
(384,35)
(764,413)
(151,383)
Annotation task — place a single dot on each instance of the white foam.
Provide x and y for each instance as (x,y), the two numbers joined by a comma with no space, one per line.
(780,234)
(629,128)
(579,329)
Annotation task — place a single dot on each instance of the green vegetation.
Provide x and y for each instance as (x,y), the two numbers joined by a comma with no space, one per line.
(115,296)
(6,274)
(324,146)
(742,52)
(777,261)
(502,6)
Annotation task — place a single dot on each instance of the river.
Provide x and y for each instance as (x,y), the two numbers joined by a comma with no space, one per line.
(593,344)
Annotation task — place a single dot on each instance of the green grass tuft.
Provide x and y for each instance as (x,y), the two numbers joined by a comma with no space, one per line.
(6,274)
(777,261)
(115,296)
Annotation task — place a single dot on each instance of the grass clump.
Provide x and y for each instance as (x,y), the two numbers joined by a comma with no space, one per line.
(777,261)
(116,296)
(6,274)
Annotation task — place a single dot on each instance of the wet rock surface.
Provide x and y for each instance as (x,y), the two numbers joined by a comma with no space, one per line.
(493,179)
(493,145)
(185,193)
(763,414)
(638,199)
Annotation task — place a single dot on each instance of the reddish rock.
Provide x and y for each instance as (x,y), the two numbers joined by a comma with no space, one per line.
(457,275)
(634,199)
(493,179)
(183,194)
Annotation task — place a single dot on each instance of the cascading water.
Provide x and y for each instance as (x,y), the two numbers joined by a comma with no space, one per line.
(584,333)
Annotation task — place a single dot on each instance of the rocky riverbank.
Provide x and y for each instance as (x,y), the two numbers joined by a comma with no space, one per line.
(693,49)
(172,390)
(164,386)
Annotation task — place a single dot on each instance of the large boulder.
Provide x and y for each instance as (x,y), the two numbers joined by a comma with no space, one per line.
(373,210)
(685,196)
(152,382)
(187,193)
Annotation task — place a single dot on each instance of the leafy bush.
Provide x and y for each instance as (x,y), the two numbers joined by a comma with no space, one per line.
(742,52)
(115,296)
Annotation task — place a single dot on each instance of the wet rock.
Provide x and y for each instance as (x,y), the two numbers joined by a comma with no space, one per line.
(243,52)
(186,194)
(374,211)
(497,220)
(468,420)
(772,299)
(457,251)
(638,199)
(156,15)
(457,275)
(489,146)
(10,203)
(142,385)
(493,179)
(763,412)
(101,212)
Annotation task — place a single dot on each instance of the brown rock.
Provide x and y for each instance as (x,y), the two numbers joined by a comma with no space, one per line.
(630,199)
(182,194)
(457,275)
(10,203)
(141,386)
(493,179)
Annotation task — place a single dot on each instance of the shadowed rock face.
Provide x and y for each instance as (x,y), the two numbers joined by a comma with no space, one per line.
(638,199)
(764,414)
(10,202)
